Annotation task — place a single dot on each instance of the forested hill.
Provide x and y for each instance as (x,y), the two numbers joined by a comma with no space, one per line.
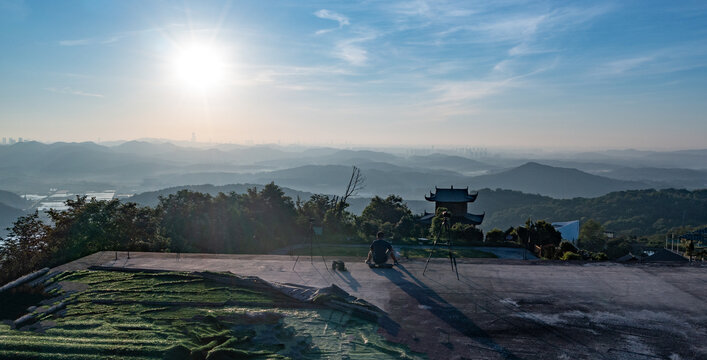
(634,212)
(12,199)
(11,206)
(8,215)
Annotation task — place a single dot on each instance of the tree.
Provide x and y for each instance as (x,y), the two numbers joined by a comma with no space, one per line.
(331,212)
(591,236)
(566,246)
(391,209)
(495,235)
(356,183)
(546,234)
(25,249)
(510,234)
(390,213)
(616,248)
(315,208)
(523,236)
(185,221)
(85,227)
(137,228)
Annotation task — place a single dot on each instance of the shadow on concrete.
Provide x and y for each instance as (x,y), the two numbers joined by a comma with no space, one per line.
(346,277)
(442,309)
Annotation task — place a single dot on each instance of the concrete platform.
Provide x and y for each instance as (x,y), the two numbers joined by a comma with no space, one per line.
(499,309)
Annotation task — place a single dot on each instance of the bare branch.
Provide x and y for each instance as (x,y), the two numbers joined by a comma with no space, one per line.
(356,183)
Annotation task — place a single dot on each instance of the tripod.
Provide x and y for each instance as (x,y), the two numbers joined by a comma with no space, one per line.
(452,259)
(311,246)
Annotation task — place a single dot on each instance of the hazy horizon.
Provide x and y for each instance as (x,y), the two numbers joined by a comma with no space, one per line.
(515,75)
(354,146)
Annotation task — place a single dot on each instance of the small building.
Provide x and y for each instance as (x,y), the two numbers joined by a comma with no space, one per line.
(456,201)
(698,237)
(568,229)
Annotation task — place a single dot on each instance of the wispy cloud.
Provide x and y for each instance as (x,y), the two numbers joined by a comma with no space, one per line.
(621,66)
(330,15)
(70,91)
(459,93)
(102,40)
(454,91)
(351,52)
(294,78)
(687,56)
(522,29)
(525,48)
(419,7)
(511,28)
(428,9)
(90,41)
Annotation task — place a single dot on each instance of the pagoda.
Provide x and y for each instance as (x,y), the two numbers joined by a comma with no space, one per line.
(454,200)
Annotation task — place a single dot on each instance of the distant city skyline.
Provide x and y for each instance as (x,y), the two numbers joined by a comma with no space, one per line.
(511,74)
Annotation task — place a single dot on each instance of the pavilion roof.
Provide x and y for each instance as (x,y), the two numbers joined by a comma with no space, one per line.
(474,218)
(451,195)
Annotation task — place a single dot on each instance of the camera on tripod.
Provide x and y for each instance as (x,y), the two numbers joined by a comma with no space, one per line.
(446,215)
(444,229)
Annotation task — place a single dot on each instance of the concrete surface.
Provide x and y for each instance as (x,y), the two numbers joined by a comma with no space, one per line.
(510,309)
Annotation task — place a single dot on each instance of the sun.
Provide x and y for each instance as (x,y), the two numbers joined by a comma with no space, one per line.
(199,66)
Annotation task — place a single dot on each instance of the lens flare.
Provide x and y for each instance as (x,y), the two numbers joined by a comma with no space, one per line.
(199,66)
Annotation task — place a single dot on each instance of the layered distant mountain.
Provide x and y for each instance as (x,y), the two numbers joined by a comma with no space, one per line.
(381,179)
(137,166)
(556,182)
(413,183)
(152,198)
(685,159)
(662,177)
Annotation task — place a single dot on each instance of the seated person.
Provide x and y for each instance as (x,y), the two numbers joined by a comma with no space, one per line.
(380,249)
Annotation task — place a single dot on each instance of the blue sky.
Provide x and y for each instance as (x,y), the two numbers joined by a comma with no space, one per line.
(540,74)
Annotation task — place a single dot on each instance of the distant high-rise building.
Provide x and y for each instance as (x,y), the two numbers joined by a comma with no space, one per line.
(11,141)
(193,137)
(4,141)
(19,139)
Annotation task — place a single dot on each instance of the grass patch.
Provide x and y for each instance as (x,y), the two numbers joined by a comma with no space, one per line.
(129,328)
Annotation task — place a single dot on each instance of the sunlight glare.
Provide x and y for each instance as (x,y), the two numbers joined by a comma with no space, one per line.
(199,66)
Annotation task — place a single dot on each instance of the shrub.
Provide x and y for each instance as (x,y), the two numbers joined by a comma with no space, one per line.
(566,246)
(466,234)
(570,256)
(600,256)
(495,235)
